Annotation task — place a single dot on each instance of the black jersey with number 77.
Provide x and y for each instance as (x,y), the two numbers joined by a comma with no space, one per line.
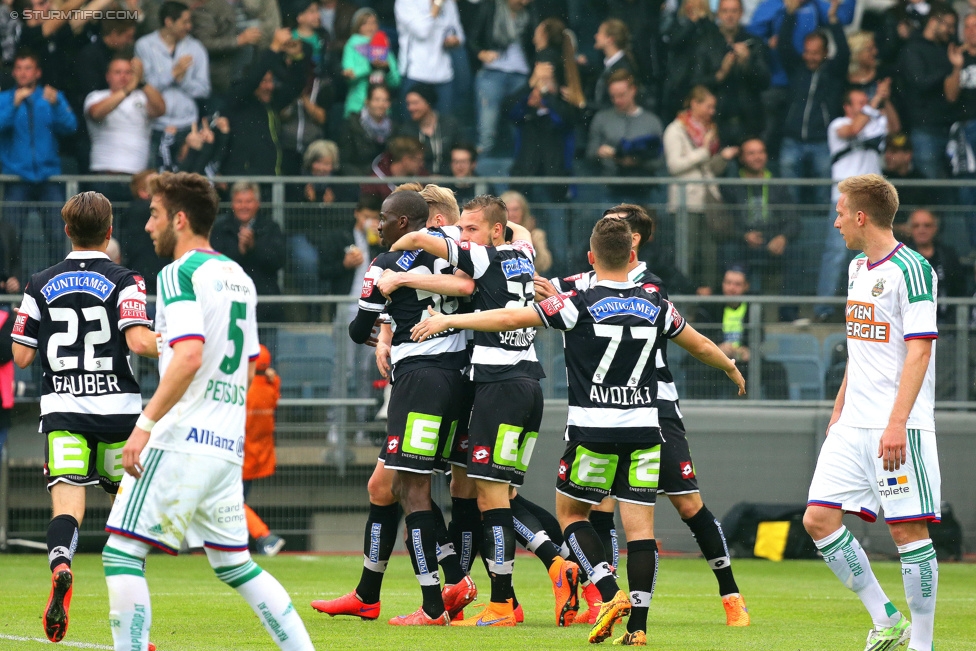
(503,277)
(613,332)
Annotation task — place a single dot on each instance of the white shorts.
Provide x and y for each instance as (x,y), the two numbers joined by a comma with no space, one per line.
(197,497)
(850,477)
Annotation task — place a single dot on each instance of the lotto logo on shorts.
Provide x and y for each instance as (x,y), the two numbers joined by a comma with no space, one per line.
(462,443)
(861,324)
(393,444)
(563,470)
(481,454)
(367,288)
(687,470)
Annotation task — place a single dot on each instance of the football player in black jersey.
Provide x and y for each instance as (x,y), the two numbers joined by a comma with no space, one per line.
(85,315)
(678,480)
(613,432)
(507,408)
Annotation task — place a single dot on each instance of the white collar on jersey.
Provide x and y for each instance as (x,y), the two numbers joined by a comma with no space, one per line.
(86,255)
(637,271)
(616,284)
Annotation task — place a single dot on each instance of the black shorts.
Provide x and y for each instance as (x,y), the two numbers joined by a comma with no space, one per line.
(84,459)
(627,472)
(677,468)
(459,452)
(505,422)
(422,417)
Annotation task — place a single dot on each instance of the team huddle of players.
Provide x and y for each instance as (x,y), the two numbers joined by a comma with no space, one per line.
(463,301)
(460,291)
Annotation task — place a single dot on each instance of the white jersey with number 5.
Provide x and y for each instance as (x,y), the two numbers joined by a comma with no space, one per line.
(207,296)
(888,303)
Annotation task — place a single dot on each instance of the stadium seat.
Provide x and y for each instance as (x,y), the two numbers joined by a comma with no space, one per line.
(831,342)
(804,374)
(791,344)
(306,363)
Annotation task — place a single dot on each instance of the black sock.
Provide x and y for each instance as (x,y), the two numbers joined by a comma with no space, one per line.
(641,577)
(62,540)
(378,542)
(447,556)
(465,530)
(530,533)
(545,518)
(498,547)
(711,541)
(422,546)
(606,528)
(585,544)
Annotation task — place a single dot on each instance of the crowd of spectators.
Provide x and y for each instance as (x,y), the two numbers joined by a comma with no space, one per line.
(689,89)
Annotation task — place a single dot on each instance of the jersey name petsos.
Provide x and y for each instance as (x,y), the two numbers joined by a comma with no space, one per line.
(209,437)
(78,281)
(220,391)
(632,306)
(861,324)
(620,396)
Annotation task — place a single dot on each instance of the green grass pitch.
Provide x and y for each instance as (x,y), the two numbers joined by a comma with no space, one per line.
(795,606)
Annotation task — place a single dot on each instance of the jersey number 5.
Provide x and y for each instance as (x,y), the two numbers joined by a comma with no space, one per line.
(616,334)
(235,336)
(70,338)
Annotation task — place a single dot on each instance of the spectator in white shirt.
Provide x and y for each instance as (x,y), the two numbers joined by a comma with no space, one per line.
(428,30)
(119,119)
(178,65)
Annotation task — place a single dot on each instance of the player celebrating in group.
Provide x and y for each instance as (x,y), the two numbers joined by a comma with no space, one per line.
(507,409)
(423,409)
(880,449)
(183,458)
(677,479)
(613,434)
(85,314)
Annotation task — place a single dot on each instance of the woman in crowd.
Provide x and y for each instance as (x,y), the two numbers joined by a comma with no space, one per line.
(692,151)
(519,213)
(365,133)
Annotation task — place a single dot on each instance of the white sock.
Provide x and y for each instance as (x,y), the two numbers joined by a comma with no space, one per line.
(846,558)
(920,573)
(130,613)
(269,600)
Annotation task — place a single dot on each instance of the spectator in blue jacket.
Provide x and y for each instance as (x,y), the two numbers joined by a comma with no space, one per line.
(766,23)
(31,119)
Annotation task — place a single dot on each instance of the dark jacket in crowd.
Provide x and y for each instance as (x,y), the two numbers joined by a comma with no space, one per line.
(10,266)
(824,87)
(336,279)
(207,160)
(255,148)
(544,144)
(357,150)
(480,36)
(952,277)
(595,78)
(737,96)
(923,66)
(263,261)
(138,252)
(914,197)
(682,39)
(889,41)
(437,148)
(763,208)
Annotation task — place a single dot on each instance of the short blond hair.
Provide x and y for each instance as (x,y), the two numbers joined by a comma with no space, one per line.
(409,186)
(441,201)
(873,195)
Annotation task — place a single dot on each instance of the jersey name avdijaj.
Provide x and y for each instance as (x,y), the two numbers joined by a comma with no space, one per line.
(408,307)
(888,303)
(667,391)
(613,331)
(75,314)
(503,276)
(207,296)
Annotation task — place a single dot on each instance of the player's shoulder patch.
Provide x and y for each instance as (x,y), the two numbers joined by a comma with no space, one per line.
(651,287)
(140,283)
(554,304)
(675,317)
(367,287)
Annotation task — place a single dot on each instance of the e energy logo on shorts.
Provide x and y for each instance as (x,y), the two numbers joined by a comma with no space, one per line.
(861,324)
(639,307)
(70,282)
(896,488)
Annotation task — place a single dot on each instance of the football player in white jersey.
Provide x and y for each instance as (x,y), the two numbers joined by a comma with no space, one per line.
(183,459)
(880,449)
